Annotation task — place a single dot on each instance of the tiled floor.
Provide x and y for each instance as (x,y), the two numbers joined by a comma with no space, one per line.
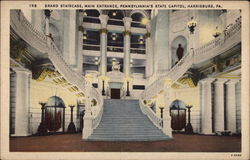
(73,142)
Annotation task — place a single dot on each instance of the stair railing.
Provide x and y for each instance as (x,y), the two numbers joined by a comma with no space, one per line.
(45,45)
(151,114)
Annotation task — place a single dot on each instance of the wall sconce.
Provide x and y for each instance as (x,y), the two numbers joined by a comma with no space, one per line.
(191,25)
(217,32)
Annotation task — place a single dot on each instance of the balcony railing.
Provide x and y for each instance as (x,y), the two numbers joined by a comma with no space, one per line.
(91,47)
(137,51)
(114,49)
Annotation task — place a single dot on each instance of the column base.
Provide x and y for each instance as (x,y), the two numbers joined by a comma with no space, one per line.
(21,135)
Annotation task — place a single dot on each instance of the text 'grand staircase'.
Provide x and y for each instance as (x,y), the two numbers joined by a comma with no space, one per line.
(123,120)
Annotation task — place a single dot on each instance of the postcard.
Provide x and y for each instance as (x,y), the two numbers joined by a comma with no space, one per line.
(124,80)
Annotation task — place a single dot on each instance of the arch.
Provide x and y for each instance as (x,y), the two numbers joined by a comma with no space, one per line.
(119,14)
(92,16)
(179,40)
(176,102)
(92,12)
(115,17)
(178,115)
(143,12)
(55,114)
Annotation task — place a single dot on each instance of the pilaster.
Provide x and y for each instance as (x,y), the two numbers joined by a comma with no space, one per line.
(219,103)
(127,24)
(206,106)
(22,102)
(231,105)
(103,46)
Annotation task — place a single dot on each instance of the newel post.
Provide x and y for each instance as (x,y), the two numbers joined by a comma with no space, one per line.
(88,127)
(167,122)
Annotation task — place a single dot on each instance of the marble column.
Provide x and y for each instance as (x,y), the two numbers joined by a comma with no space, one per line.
(80,44)
(206,106)
(103,46)
(72,54)
(36,19)
(22,102)
(149,52)
(231,105)
(127,33)
(219,121)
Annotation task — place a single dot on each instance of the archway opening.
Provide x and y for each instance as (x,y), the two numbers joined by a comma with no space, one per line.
(178,115)
(55,114)
(178,49)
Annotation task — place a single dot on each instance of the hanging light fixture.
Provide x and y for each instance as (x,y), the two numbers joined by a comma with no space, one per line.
(84,34)
(141,40)
(113,36)
(191,25)
(96,60)
(131,63)
(114,13)
(217,32)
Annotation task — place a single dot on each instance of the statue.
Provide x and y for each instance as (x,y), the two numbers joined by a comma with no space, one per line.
(115,66)
(179,52)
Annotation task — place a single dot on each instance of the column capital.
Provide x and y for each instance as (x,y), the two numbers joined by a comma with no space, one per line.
(21,70)
(220,81)
(232,81)
(207,80)
(127,23)
(103,30)
(146,35)
(126,33)
(104,20)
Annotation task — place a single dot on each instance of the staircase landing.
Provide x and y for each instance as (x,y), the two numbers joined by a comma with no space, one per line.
(123,120)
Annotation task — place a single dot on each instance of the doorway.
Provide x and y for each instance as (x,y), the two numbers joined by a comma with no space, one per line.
(115,93)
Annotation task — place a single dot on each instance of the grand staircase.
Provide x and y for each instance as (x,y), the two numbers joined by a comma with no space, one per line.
(123,120)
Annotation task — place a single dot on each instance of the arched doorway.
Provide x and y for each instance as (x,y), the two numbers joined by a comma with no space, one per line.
(178,115)
(55,114)
(176,45)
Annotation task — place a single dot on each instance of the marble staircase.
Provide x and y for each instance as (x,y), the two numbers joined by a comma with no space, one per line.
(123,120)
